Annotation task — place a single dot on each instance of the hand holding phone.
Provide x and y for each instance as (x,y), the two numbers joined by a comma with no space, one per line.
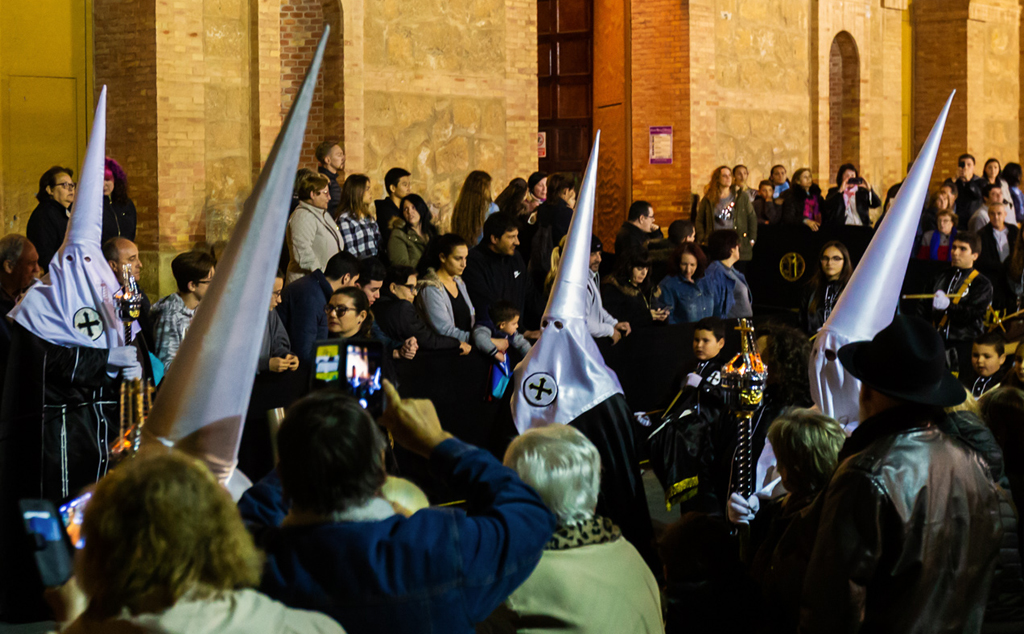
(52,551)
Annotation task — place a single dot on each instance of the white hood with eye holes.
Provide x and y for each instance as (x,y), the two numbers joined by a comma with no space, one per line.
(77,305)
(870,299)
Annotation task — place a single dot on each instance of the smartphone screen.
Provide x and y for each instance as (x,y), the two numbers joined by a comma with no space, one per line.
(328,363)
(363,374)
(72,513)
(51,551)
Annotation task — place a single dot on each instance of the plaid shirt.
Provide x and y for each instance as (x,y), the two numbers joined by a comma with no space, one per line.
(361,236)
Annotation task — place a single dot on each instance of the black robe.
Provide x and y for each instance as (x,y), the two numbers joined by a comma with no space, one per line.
(609,425)
(679,443)
(58,420)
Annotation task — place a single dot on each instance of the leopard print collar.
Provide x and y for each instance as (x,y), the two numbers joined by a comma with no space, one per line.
(599,530)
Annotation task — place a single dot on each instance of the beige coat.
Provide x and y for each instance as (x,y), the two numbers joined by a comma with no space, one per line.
(313,237)
(238,612)
(595,588)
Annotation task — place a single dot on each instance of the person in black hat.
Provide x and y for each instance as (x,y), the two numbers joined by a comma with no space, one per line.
(909,527)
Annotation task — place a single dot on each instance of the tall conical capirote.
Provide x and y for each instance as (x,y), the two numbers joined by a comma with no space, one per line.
(75,304)
(564,374)
(85,226)
(869,301)
(203,400)
(569,292)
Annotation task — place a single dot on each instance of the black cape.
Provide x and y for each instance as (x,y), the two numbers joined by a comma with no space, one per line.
(58,420)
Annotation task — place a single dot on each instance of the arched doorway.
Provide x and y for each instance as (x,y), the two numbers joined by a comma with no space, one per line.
(843,102)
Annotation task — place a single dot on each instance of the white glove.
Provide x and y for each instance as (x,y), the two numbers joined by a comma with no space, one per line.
(941,301)
(693,379)
(122,356)
(740,510)
(132,372)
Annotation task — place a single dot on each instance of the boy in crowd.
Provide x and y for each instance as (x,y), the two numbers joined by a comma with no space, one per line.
(495,337)
(172,315)
(988,356)
(767,212)
(962,297)
(680,445)
(681,231)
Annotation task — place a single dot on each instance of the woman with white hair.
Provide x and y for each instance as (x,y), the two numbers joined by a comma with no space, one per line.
(589,579)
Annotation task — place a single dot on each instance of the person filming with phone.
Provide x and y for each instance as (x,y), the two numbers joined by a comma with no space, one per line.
(968,189)
(334,544)
(850,202)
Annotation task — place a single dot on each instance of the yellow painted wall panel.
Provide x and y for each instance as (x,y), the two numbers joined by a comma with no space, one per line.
(40,130)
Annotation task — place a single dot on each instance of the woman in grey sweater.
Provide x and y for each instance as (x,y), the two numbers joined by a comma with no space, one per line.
(442,298)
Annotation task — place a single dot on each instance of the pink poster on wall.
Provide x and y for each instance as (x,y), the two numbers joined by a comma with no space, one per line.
(661,145)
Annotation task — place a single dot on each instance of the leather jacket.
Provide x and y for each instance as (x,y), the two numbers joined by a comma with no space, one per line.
(909,535)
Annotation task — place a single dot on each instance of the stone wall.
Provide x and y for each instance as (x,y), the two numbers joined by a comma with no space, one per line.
(449,87)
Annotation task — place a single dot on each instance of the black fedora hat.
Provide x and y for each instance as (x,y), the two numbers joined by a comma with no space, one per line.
(906,361)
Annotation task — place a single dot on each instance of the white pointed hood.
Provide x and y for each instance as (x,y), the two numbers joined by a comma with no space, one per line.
(564,374)
(76,306)
(869,301)
(203,400)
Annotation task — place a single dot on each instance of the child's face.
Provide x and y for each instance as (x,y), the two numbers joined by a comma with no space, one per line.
(986,360)
(766,192)
(705,345)
(509,327)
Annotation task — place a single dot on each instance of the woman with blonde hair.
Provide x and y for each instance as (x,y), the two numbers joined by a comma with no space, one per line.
(722,208)
(357,218)
(472,207)
(166,551)
(312,235)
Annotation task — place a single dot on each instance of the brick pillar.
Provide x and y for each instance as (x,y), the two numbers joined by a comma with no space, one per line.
(972,47)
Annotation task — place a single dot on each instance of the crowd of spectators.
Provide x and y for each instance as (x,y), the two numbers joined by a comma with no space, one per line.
(322,538)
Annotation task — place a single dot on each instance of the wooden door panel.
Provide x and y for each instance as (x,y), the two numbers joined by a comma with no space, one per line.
(565,82)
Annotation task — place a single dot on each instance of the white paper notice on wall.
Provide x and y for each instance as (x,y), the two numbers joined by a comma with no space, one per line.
(661,145)
(542,144)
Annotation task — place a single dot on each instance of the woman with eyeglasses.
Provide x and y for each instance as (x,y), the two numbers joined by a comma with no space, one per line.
(348,313)
(397,317)
(822,293)
(49,220)
(313,235)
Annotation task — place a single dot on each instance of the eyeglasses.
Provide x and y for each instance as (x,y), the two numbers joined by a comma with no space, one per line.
(835,258)
(68,186)
(339,311)
(411,287)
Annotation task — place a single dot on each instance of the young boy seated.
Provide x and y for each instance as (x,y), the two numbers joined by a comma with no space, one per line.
(678,445)
(495,336)
(988,356)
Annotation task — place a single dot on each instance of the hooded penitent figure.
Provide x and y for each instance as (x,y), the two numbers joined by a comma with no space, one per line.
(564,380)
(204,397)
(58,418)
(869,301)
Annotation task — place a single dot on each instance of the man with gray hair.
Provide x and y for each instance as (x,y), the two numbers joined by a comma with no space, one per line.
(564,467)
(20,268)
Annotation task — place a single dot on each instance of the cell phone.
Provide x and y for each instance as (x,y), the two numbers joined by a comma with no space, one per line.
(363,361)
(857,180)
(72,513)
(52,551)
(963,164)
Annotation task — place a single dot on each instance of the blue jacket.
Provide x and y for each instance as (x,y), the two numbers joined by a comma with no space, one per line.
(689,301)
(439,571)
(721,286)
(302,312)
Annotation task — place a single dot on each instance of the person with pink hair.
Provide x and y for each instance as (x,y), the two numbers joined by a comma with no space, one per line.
(119,217)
